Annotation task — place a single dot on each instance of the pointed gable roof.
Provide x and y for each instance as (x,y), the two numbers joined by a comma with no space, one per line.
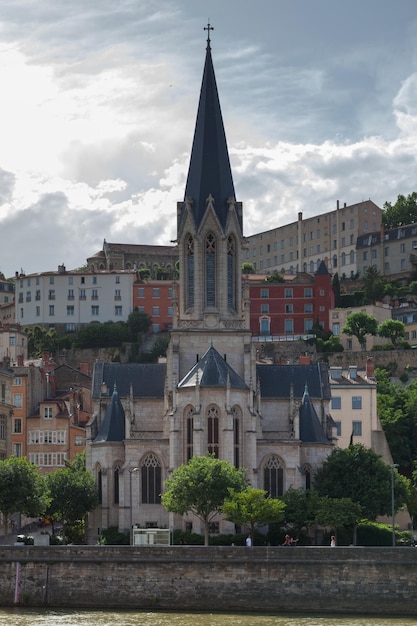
(209,172)
(113,425)
(212,371)
(311,430)
(322,269)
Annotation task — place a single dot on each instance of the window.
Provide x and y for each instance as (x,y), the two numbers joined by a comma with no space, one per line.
(38,311)
(155,311)
(51,280)
(336,329)
(51,294)
(118,311)
(336,402)
(51,309)
(236,437)
(28,296)
(357,428)
(82,294)
(308,308)
(70,310)
(308,325)
(213,431)
(70,328)
(265,326)
(38,294)
(264,308)
(117,280)
(151,480)
(79,440)
(338,425)
(402,248)
(95,310)
(155,328)
(210,250)
(94,294)
(18,400)
(47,412)
(288,293)
(116,484)
(2,427)
(155,292)
(264,293)
(386,251)
(189,447)
(170,311)
(289,326)
(356,402)
(141,292)
(17,381)
(308,292)
(288,308)
(70,295)
(403,264)
(274,478)
(17,449)
(17,425)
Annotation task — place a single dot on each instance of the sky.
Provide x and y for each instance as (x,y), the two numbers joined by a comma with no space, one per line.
(98,103)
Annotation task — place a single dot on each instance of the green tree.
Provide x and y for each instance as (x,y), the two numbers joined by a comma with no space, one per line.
(360,474)
(40,339)
(201,487)
(394,330)
(248,268)
(21,489)
(252,507)
(275,277)
(137,323)
(360,324)
(337,512)
(72,494)
(300,508)
(403,211)
(373,284)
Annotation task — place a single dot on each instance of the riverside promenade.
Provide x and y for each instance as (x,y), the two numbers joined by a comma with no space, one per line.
(378,581)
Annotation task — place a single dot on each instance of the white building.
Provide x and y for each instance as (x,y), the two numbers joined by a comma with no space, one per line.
(67,300)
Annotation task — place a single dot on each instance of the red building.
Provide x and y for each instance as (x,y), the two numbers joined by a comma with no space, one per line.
(290,307)
(154,297)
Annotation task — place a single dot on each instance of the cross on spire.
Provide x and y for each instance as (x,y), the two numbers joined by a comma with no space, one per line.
(208,28)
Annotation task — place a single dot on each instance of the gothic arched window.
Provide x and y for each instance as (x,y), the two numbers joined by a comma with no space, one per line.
(151,480)
(236,436)
(231,270)
(116,483)
(189,427)
(274,477)
(210,252)
(213,431)
(189,274)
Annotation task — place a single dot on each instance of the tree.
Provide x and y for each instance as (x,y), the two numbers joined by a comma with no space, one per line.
(138,322)
(252,507)
(72,492)
(374,285)
(201,487)
(360,474)
(300,508)
(275,277)
(393,330)
(248,268)
(338,512)
(21,489)
(360,324)
(403,211)
(40,339)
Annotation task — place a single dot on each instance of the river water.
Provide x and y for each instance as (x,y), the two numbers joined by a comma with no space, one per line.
(32,617)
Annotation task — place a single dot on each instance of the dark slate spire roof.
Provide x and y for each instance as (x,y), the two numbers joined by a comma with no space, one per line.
(209,171)
(212,371)
(322,268)
(113,425)
(311,430)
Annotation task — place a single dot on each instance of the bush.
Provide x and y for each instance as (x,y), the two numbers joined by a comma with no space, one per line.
(113,537)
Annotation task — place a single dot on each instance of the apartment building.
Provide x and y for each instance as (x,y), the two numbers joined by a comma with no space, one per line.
(291,307)
(13,344)
(393,252)
(67,300)
(354,408)
(155,297)
(27,391)
(301,246)
(6,410)
(337,320)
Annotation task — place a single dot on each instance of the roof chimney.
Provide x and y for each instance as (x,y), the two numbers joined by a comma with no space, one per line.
(370,368)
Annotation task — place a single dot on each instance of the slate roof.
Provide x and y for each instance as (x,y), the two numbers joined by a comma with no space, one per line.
(212,371)
(209,171)
(276,380)
(322,269)
(146,379)
(112,427)
(311,430)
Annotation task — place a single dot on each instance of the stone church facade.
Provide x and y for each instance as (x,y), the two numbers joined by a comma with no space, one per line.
(211,395)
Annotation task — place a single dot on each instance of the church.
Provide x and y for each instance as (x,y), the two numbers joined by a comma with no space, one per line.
(211,395)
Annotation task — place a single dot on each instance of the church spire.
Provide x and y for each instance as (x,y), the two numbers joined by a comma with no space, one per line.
(209,174)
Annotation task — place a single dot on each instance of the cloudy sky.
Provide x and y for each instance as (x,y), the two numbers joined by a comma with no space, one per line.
(99,97)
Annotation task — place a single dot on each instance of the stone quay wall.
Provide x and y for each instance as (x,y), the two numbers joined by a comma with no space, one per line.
(261,579)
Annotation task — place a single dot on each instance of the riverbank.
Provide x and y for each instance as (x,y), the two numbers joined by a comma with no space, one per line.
(190,578)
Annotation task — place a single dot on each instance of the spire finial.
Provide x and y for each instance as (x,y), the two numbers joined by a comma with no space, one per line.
(208,28)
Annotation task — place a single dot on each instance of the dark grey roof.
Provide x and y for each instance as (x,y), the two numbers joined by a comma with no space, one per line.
(146,379)
(209,171)
(322,269)
(276,380)
(311,430)
(113,425)
(212,371)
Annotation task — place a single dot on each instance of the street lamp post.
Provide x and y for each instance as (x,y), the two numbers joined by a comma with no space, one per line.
(131,470)
(393,502)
